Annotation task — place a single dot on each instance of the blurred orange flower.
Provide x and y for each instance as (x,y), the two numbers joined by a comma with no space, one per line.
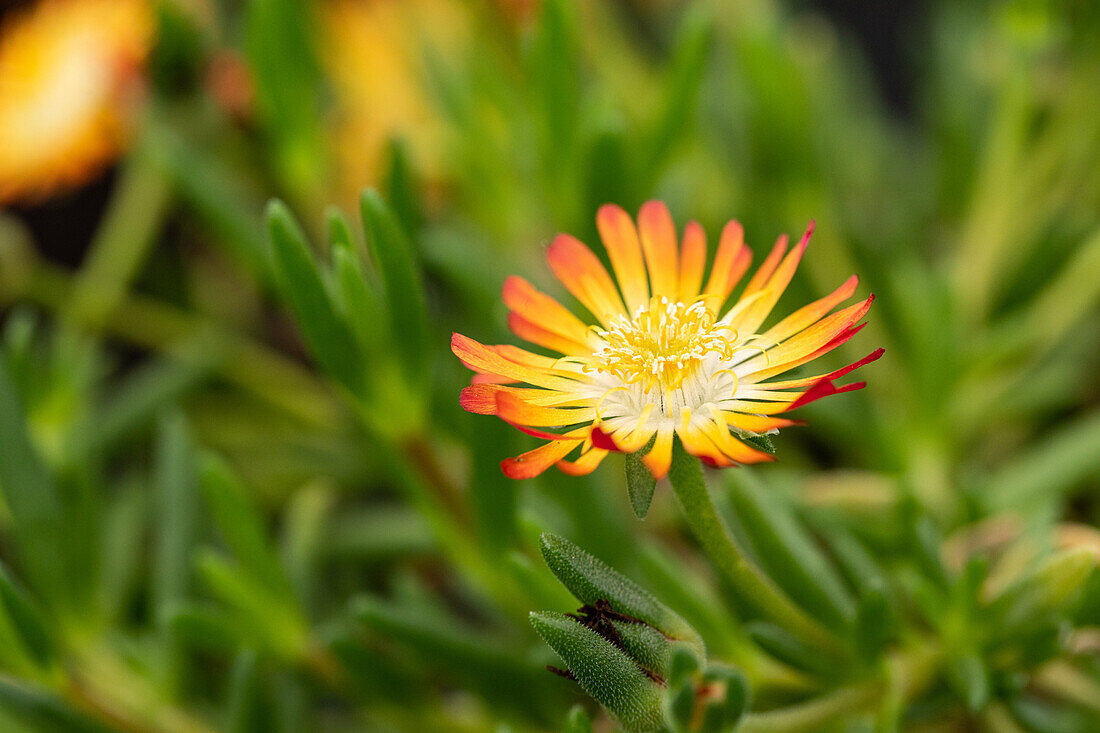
(372,50)
(69,70)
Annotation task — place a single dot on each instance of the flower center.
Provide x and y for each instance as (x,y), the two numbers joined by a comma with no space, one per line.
(663,344)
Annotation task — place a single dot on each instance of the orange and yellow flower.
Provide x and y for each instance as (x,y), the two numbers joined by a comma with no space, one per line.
(67,68)
(667,358)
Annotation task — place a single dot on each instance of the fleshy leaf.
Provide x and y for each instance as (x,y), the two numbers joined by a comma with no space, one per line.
(640,483)
(604,671)
(590,580)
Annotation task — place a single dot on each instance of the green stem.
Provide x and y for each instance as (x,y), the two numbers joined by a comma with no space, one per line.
(129,230)
(686,476)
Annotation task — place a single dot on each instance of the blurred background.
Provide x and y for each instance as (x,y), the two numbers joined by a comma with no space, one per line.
(207,524)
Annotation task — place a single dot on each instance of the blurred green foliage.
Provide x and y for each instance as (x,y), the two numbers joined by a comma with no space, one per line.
(239,493)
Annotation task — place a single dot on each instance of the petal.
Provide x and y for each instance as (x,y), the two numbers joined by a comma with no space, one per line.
(775,286)
(585,464)
(540,309)
(824,388)
(826,334)
(482,398)
(808,315)
(696,442)
(534,462)
(620,239)
(756,423)
(807,381)
(767,267)
(539,336)
(491,360)
(731,448)
(515,410)
(585,277)
(730,264)
(693,258)
(658,235)
(659,458)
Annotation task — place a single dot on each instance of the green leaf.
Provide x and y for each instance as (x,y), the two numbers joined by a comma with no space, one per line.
(279,40)
(32,497)
(640,484)
(577,721)
(725,713)
(604,671)
(874,624)
(590,580)
(681,88)
(787,552)
(397,265)
(268,618)
(787,648)
(1049,467)
(324,331)
(244,705)
(760,441)
(1047,589)
(43,710)
(492,667)
(177,510)
(403,188)
(969,676)
(557,77)
(27,619)
(205,626)
(240,523)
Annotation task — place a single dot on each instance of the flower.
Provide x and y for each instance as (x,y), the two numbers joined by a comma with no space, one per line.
(66,68)
(661,362)
(372,51)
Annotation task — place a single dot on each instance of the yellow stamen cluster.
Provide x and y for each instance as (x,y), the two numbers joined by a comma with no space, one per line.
(663,344)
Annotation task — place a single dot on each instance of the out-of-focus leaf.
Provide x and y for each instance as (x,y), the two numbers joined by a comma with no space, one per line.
(376,534)
(681,87)
(603,670)
(32,497)
(44,711)
(240,523)
(789,649)
(557,77)
(724,714)
(1045,470)
(492,668)
(873,624)
(397,265)
(280,45)
(360,303)
(577,721)
(403,187)
(27,619)
(244,706)
(135,402)
(788,554)
(273,621)
(326,334)
(176,511)
(1043,591)
(206,627)
(970,676)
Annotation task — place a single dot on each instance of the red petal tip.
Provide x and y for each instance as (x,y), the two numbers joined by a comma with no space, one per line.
(600,439)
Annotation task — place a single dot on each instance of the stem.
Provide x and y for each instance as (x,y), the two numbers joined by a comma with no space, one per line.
(686,476)
(123,241)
